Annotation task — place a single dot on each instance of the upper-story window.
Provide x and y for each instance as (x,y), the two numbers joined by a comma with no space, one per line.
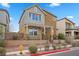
(68,26)
(34,16)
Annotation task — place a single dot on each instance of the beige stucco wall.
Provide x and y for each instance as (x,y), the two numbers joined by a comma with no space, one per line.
(47,20)
(26,21)
(60,27)
(71,24)
(37,11)
(51,21)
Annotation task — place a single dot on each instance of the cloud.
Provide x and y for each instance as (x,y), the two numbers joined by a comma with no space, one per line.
(11,18)
(5,5)
(54,4)
(70,17)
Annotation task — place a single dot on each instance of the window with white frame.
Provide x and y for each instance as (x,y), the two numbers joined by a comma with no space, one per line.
(35,16)
(33,32)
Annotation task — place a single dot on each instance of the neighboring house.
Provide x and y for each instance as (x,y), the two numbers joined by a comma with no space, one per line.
(4,23)
(37,23)
(67,27)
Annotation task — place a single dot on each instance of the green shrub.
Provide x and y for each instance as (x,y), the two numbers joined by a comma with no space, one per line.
(60,36)
(1,31)
(2,43)
(2,51)
(33,49)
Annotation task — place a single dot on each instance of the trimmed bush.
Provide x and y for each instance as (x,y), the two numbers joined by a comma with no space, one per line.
(61,36)
(33,49)
(2,43)
(2,51)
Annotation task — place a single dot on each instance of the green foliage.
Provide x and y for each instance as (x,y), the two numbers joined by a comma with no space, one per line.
(33,49)
(2,43)
(0,30)
(2,51)
(61,36)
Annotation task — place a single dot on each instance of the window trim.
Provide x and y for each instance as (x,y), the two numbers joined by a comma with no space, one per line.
(35,16)
(33,30)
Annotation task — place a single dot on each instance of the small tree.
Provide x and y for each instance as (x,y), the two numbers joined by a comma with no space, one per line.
(1,30)
(2,48)
(1,33)
(61,36)
(2,43)
(2,51)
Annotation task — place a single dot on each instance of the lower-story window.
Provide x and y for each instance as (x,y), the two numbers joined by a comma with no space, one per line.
(33,32)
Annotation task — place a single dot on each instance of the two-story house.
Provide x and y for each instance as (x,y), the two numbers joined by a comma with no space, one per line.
(67,27)
(37,23)
(4,23)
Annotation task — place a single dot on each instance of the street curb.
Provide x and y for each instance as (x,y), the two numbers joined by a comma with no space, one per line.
(49,52)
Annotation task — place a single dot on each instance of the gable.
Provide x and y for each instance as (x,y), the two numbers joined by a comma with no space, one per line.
(4,17)
(68,21)
(38,10)
(33,9)
(3,11)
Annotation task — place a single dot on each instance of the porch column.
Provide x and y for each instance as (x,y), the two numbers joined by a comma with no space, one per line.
(44,32)
(26,29)
(72,36)
(26,32)
(72,33)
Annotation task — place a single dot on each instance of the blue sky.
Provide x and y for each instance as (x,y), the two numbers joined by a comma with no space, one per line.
(69,10)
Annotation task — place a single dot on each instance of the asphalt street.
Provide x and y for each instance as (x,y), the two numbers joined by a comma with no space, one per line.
(72,52)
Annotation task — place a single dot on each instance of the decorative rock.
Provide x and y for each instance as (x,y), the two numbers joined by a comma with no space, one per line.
(68,46)
(51,48)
